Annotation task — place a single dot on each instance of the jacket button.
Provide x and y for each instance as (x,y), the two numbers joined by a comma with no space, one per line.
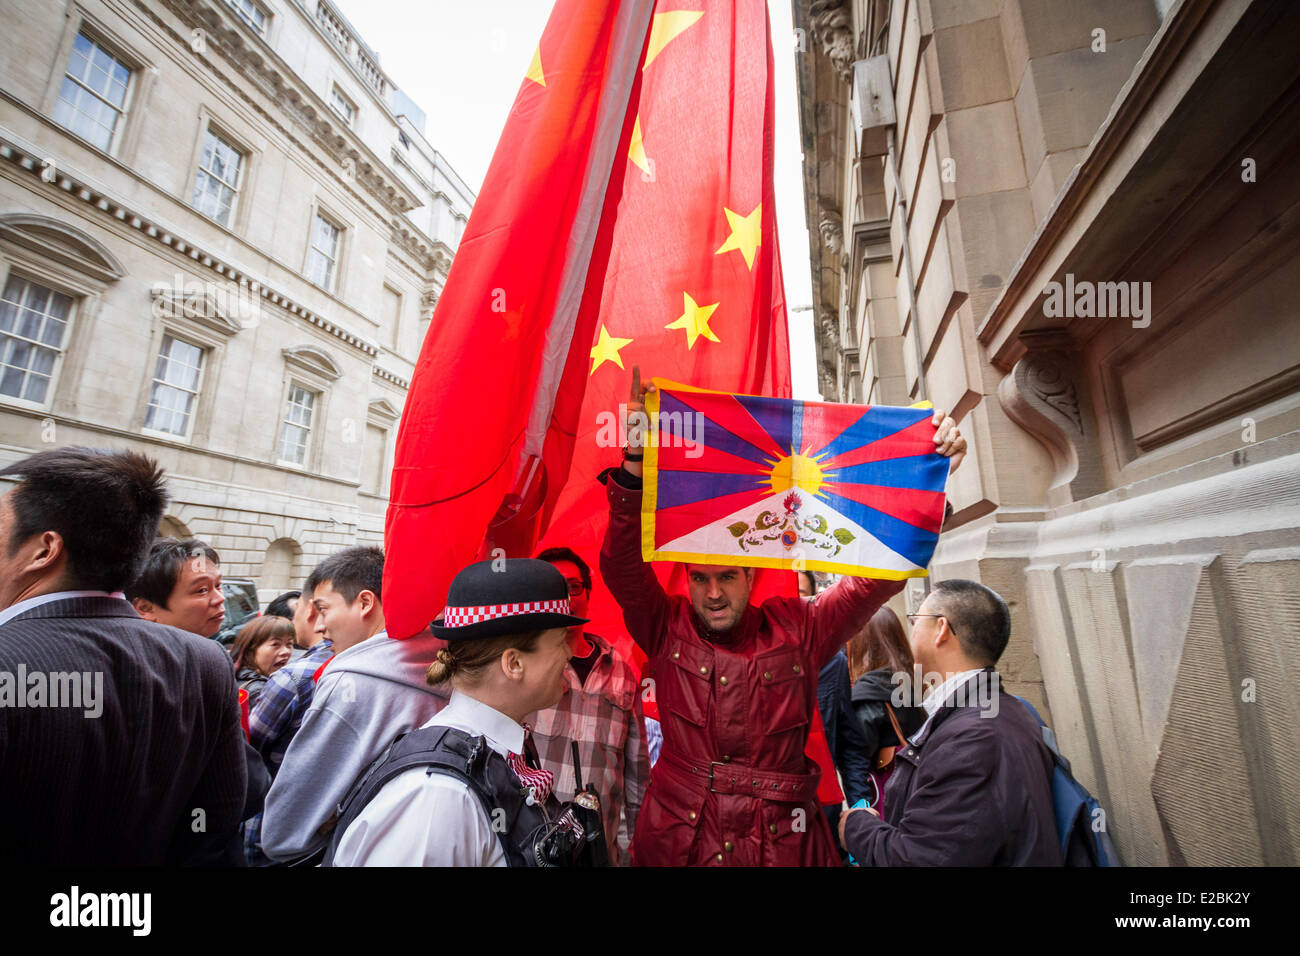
(718,857)
(676,655)
(722,681)
(704,670)
(691,815)
(728,846)
(796,669)
(767,675)
(771,828)
(726,758)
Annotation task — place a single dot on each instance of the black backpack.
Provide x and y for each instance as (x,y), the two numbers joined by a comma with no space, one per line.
(469,759)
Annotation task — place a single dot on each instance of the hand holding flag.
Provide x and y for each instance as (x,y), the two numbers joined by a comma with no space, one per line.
(948,439)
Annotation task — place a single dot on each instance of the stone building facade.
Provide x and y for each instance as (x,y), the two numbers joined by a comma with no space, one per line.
(1077,226)
(222,235)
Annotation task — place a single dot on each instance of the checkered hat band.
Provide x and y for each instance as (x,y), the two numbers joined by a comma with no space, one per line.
(460,616)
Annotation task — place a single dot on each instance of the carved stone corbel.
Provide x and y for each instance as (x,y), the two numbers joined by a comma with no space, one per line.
(832,24)
(832,232)
(1045,394)
(827,379)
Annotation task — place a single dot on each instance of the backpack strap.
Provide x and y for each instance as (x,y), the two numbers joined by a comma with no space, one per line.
(1049,737)
(441,749)
(893,719)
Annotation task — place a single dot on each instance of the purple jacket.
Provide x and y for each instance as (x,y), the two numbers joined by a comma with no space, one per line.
(972,789)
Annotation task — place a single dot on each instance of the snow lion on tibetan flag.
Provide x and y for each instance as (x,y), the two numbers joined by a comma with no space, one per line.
(777,483)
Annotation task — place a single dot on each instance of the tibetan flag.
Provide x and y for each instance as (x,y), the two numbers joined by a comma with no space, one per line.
(777,483)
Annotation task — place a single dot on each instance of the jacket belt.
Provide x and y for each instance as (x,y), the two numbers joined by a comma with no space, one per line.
(743,780)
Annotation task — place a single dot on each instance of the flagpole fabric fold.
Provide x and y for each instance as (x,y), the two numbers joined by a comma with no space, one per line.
(503,324)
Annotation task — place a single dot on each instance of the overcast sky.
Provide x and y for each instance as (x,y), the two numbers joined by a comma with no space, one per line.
(462,63)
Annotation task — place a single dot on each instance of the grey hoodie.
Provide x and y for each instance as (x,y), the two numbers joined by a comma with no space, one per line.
(367,696)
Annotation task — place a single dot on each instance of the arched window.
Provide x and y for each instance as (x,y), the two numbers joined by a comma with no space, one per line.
(277,569)
(171,527)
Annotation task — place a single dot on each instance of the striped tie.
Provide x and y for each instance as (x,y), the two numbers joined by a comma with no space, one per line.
(528,773)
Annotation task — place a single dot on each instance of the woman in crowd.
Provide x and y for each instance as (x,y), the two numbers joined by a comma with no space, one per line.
(877,653)
(261,648)
(466,789)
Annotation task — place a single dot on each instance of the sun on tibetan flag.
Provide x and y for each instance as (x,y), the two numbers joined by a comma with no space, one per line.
(778,483)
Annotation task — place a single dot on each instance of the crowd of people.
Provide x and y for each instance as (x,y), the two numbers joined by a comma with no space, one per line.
(506,733)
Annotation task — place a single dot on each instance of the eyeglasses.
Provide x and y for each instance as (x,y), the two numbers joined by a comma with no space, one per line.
(911,619)
(575,588)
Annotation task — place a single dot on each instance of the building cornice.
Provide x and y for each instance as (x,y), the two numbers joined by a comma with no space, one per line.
(1026,281)
(250,54)
(161,441)
(78,187)
(434,256)
(391,377)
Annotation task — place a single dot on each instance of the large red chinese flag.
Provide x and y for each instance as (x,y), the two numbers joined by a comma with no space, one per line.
(693,287)
(627,218)
(508,312)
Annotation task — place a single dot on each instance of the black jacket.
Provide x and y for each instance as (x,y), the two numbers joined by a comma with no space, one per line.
(973,790)
(871,691)
(156,777)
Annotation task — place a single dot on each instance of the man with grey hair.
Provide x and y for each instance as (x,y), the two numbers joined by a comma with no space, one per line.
(972,787)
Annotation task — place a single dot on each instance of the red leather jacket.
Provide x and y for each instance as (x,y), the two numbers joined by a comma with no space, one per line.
(732,786)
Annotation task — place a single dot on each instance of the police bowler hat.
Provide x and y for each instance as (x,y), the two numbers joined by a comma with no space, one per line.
(505,596)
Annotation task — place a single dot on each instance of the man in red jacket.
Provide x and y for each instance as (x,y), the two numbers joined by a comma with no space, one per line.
(736,690)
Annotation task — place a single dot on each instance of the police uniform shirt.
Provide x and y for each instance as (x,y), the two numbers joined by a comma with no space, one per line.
(432,819)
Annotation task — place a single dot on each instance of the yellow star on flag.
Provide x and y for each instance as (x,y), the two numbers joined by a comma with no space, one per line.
(666,28)
(535,68)
(746,234)
(606,350)
(695,320)
(636,151)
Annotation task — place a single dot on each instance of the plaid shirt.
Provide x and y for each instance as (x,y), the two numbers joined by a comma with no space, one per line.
(604,716)
(285,699)
(273,722)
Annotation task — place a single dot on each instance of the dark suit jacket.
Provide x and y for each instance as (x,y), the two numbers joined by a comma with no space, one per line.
(974,789)
(157,778)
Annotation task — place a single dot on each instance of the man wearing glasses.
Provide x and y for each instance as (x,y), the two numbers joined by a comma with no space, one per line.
(972,787)
(601,711)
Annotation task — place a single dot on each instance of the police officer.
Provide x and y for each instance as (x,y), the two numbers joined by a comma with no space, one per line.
(466,789)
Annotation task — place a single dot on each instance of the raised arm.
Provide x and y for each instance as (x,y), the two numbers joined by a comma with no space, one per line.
(630,579)
(844,609)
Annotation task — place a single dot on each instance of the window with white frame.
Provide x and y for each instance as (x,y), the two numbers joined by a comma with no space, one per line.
(340,104)
(251,13)
(393,315)
(92,98)
(324,253)
(376,454)
(175,392)
(216,181)
(33,327)
(295,427)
